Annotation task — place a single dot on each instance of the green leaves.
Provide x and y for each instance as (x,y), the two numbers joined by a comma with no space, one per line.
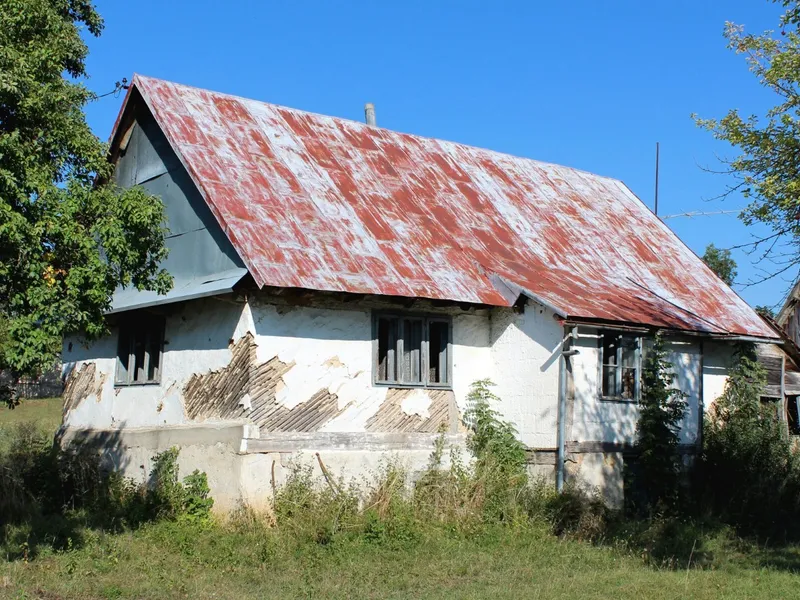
(492,437)
(767,168)
(661,411)
(741,399)
(67,240)
(750,472)
(721,262)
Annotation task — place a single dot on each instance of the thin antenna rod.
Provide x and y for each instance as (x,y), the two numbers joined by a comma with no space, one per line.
(656,199)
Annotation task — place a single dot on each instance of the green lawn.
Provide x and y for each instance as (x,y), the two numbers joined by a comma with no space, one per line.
(247,560)
(167,560)
(46,413)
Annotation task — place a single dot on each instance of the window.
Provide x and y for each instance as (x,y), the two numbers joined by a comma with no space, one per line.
(620,366)
(412,350)
(139,351)
(793,415)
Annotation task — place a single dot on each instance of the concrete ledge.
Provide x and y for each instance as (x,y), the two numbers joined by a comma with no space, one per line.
(370,442)
(243,468)
(195,434)
(624,447)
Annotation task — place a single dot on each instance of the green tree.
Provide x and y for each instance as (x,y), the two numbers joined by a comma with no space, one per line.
(744,387)
(721,262)
(661,411)
(68,237)
(792,14)
(766,169)
(749,473)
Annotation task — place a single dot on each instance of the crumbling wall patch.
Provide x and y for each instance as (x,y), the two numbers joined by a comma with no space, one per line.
(245,389)
(80,385)
(391,416)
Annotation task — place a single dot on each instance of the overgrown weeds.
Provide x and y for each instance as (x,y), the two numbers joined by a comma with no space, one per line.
(51,495)
(55,497)
(453,495)
(749,474)
(491,488)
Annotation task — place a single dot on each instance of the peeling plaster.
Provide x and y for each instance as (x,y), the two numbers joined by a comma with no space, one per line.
(414,410)
(327,344)
(82,383)
(331,350)
(416,403)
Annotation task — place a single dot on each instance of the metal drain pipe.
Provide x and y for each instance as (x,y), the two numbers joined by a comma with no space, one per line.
(570,333)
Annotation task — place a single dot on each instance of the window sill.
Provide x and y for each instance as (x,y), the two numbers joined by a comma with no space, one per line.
(413,386)
(618,400)
(136,384)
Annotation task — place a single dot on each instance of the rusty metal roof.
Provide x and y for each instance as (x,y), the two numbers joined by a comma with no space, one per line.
(323,203)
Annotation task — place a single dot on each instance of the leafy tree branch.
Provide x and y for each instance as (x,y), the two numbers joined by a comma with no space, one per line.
(68,239)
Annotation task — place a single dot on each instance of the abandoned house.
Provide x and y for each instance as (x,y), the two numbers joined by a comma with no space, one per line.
(339,286)
(782,363)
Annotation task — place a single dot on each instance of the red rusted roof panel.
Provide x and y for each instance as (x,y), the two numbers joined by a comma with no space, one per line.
(322,203)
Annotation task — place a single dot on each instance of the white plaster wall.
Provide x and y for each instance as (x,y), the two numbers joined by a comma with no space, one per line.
(472,354)
(525,352)
(687,361)
(196,341)
(717,359)
(615,421)
(331,348)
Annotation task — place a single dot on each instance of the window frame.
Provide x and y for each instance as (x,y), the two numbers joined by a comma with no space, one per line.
(637,385)
(794,428)
(133,325)
(426,319)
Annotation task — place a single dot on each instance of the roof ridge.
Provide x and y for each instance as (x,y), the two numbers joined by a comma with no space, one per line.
(537,161)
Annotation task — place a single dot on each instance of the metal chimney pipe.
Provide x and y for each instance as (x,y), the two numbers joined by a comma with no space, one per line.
(369,114)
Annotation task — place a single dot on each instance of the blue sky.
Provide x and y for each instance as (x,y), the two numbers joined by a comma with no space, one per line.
(587,84)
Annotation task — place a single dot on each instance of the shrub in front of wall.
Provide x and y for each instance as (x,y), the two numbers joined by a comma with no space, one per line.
(657,477)
(389,512)
(169,498)
(314,511)
(500,476)
(575,513)
(749,475)
(445,495)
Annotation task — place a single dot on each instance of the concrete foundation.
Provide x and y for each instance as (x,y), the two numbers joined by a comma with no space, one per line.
(245,469)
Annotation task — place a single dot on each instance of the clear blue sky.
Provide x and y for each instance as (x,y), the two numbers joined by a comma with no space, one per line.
(586,84)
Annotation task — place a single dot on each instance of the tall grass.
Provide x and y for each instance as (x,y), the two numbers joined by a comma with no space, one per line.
(492,489)
(49,496)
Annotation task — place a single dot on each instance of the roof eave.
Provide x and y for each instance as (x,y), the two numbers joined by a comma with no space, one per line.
(645,328)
